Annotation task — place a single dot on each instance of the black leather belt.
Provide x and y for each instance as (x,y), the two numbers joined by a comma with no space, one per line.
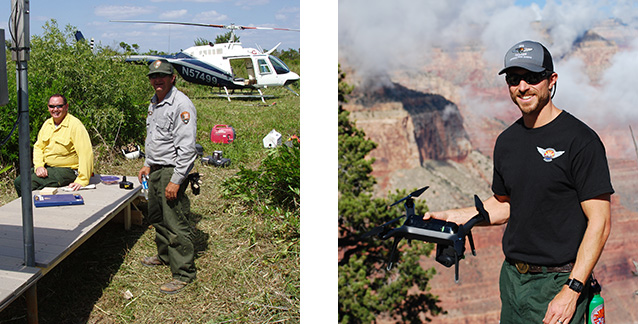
(160,166)
(524,267)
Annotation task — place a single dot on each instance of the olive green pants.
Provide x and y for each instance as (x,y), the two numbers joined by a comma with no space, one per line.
(173,234)
(57,177)
(525,297)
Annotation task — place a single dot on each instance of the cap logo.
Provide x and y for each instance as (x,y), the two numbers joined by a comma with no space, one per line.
(157,64)
(522,49)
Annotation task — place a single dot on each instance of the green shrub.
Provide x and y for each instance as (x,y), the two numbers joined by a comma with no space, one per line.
(108,95)
(273,187)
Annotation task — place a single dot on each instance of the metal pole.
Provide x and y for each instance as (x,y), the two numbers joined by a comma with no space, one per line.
(20,53)
(25,166)
(21,45)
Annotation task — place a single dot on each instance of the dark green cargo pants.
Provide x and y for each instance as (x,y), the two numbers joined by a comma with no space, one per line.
(525,297)
(57,177)
(173,234)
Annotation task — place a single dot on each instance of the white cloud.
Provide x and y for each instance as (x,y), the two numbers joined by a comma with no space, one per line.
(211,17)
(388,34)
(378,37)
(287,13)
(173,14)
(251,3)
(121,12)
(200,1)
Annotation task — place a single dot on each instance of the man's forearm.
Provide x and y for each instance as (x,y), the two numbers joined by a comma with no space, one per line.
(598,212)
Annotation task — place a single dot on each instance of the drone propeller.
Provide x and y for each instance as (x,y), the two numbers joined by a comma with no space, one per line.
(412,195)
(230,27)
(381,229)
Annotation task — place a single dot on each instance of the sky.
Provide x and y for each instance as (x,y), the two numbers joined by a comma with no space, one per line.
(93,17)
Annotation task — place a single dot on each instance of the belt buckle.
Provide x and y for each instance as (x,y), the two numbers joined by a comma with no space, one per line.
(522,267)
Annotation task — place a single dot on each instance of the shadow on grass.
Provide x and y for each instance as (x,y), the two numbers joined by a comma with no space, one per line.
(200,238)
(68,293)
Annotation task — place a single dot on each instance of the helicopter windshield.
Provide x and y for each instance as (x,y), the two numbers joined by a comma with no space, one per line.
(280,66)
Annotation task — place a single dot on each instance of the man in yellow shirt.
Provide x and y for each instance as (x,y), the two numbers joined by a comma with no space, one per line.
(62,154)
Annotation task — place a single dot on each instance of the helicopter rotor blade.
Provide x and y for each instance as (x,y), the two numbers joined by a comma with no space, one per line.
(268,28)
(231,26)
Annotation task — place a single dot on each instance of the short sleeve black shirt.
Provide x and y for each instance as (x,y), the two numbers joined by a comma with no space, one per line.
(547,172)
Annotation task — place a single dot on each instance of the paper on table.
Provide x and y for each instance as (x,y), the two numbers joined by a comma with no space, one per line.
(91,186)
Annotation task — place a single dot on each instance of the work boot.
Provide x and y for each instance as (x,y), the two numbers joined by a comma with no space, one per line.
(151,261)
(173,286)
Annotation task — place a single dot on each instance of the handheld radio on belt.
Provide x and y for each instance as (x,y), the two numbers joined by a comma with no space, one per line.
(449,237)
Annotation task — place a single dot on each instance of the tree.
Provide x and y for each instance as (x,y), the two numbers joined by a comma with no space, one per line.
(226,37)
(200,41)
(366,287)
(291,56)
(129,49)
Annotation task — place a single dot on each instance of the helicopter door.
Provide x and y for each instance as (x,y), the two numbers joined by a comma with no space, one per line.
(273,72)
(266,75)
(243,71)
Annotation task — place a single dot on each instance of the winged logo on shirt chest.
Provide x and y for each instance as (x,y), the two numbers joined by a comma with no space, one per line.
(549,154)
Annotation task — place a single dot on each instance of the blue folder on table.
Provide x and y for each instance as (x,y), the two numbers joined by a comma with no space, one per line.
(57,200)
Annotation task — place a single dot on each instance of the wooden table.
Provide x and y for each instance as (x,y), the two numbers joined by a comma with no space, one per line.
(57,232)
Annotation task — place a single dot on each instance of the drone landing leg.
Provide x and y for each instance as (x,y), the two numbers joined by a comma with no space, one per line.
(456,268)
(469,237)
(392,258)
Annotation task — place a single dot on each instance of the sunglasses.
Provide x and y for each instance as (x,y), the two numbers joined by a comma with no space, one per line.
(157,75)
(530,78)
(55,106)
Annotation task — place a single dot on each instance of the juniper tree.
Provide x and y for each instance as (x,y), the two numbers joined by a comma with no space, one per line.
(366,288)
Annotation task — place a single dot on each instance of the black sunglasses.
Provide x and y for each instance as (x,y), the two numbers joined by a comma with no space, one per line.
(157,75)
(529,77)
(55,106)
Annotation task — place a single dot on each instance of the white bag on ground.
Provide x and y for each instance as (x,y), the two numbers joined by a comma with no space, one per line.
(273,139)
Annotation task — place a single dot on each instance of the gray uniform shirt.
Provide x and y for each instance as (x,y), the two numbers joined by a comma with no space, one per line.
(171,127)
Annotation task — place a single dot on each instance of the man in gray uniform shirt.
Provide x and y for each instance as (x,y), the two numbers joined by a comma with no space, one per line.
(171,127)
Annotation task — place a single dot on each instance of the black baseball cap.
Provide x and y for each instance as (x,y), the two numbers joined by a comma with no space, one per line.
(529,55)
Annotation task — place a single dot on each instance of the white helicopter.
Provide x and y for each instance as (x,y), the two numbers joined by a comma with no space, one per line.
(226,65)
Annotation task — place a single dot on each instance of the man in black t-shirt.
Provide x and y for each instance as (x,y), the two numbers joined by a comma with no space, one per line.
(552,188)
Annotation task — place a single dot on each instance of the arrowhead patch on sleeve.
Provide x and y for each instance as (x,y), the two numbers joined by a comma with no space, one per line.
(186,117)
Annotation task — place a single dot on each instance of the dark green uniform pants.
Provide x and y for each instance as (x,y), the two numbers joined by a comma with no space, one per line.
(173,234)
(57,177)
(525,297)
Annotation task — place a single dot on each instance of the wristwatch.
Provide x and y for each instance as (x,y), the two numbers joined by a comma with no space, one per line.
(574,285)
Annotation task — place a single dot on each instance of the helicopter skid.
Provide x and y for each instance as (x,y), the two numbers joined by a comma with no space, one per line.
(245,96)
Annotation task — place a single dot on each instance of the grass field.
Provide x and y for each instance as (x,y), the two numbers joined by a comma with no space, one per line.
(245,273)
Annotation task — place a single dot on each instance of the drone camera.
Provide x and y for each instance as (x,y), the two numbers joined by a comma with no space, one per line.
(446,255)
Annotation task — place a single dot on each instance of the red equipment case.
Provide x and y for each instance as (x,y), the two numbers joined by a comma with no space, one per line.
(222,134)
